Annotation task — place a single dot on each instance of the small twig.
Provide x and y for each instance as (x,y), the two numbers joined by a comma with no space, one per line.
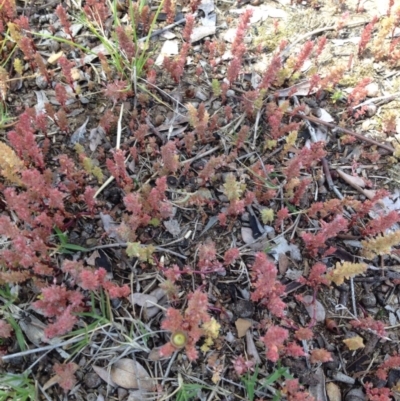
(46,348)
(346,131)
(353,297)
(256,128)
(325,167)
(168,27)
(317,31)
(199,156)
(119,129)
(386,98)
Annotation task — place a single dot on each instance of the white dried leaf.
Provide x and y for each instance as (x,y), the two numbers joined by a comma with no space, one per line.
(95,137)
(168,35)
(325,116)
(41,101)
(143,300)
(159,293)
(169,48)
(282,246)
(173,227)
(79,135)
(200,32)
(229,35)
(110,227)
(293,274)
(247,235)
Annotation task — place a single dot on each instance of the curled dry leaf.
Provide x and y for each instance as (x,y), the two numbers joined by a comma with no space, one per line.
(173,227)
(314,308)
(333,392)
(79,135)
(145,300)
(317,389)
(251,347)
(160,294)
(128,373)
(96,136)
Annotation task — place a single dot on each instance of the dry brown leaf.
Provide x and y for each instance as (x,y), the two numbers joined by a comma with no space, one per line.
(242,325)
(104,374)
(128,373)
(154,355)
(354,343)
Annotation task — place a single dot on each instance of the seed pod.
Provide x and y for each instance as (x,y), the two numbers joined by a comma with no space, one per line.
(179,339)
(331,326)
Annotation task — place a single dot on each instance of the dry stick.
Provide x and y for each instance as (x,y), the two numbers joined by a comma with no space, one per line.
(325,167)
(162,30)
(321,30)
(200,155)
(46,348)
(346,131)
(380,99)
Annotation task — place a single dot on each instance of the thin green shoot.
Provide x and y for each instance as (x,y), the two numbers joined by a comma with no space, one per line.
(65,246)
(17,387)
(18,333)
(279,373)
(250,381)
(145,333)
(4,116)
(188,391)
(86,50)
(8,299)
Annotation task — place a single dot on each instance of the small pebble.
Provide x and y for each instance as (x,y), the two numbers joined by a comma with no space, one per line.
(92,380)
(372,89)
(368,300)
(244,308)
